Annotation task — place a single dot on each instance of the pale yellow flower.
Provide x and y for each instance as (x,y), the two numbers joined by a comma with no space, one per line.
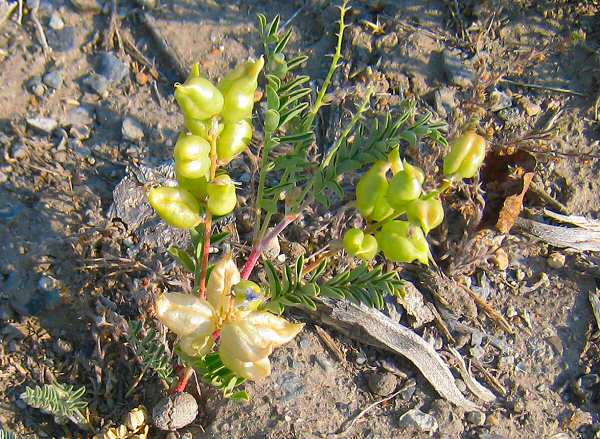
(247,338)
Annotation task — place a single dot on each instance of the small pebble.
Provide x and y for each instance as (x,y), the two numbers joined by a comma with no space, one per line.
(19,150)
(175,411)
(53,79)
(81,115)
(500,259)
(62,40)
(458,71)
(556,260)
(132,130)
(36,86)
(80,132)
(112,68)
(43,124)
(56,22)
(477,352)
(97,83)
(476,418)
(416,419)
(408,389)
(382,384)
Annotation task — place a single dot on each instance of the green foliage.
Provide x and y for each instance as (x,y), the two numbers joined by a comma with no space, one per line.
(62,402)
(359,285)
(150,350)
(212,371)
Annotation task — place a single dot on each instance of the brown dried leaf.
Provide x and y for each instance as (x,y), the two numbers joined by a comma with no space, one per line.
(513,206)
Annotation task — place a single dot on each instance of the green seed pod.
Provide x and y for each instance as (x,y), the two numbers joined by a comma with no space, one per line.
(278,65)
(195,186)
(233,140)
(248,295)
(192,156)
(198,97)
(371,190)
(401,241)
(405,186)
(428,213)
(221,195)
(395,160)
(466,156)
(176,206)
(197,127)
(359,244)
(238,88)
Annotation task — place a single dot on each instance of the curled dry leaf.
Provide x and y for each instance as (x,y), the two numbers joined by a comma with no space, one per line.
(477,389)
(512,206)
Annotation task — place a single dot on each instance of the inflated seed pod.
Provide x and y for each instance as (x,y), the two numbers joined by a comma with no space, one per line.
(359,244)
(223,277)
(195,186)
(466,156)
(192,156)
(176,206)
(395,160)
(428,213)
(233,140)
(185,314)
(221,195)
(405,186)
(371,190)
(197,97)
(401,241)
(197,127)
(238,88)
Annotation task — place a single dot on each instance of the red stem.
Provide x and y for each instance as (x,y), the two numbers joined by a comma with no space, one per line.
(258,248)
(184,376)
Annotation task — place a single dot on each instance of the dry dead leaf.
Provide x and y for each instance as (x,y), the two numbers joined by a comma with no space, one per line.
(512,206)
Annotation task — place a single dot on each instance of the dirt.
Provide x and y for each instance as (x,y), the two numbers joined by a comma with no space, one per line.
(70,277)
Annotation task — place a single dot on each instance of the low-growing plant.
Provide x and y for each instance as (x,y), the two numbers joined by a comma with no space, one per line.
(230,325)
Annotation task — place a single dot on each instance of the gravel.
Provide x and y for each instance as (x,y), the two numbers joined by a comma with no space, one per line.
(132,130)
(43,124)
(416,419)
(382,384)
(53,79)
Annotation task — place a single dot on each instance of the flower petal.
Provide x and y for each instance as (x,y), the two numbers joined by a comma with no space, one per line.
(196,346)
(252,370)
(243,342)
(215,287)
(185,314)
(273,329)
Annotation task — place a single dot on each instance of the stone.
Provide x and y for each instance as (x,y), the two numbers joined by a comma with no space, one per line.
(445,101)
(389,364)
(556,260)
(87,5)
(175,411)
(457,70)
(477,338)
(36,86)
(531,108)
(62,40)
(97,83)
(19,150)
(292,386)
(80,116)
(56,22)
(416,419)
(43,124)
(273,248)
(500,259)
(325,364)
(112,68)
(47,283)
(132,130)
(382,384)
(53,79)
(476,418)
(408,389)
(80,132)
(413,303)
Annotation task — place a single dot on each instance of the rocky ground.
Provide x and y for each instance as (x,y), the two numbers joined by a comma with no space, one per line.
(79,111)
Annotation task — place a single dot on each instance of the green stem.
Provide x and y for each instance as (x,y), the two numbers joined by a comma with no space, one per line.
(357,116)
(332,68)
(262,176)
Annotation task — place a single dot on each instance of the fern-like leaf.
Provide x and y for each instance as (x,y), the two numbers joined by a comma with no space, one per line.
(150,350)
(61,401)
(212,371)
